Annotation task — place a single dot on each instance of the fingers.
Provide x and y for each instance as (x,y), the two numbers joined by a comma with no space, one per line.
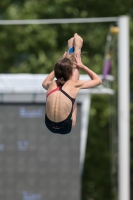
(78,65)
(65,55)
(78,61)
(74,63)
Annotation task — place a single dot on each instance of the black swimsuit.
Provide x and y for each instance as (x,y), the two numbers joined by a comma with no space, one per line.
(64,126)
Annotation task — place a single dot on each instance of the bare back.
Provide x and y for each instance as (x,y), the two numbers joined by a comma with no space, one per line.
(58,106)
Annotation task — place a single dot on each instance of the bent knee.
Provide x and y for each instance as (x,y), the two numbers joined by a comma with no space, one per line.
(73,122)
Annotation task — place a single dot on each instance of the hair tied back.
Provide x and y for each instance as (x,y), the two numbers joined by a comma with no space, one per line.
(60,81)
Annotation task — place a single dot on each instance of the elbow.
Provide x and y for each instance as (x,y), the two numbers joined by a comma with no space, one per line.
(43,85)
(99,81)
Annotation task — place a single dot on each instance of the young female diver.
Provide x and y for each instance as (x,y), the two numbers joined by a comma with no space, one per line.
(61,108)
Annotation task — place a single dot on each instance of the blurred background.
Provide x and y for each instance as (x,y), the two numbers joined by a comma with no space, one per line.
(35,48)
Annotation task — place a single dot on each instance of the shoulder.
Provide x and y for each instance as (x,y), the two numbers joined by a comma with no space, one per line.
(71,83)
(75,84)
(78,83)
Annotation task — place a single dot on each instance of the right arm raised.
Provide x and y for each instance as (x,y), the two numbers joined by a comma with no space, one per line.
(95,80)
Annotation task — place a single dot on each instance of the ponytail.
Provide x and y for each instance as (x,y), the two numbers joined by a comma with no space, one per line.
(63,70)
(60,81)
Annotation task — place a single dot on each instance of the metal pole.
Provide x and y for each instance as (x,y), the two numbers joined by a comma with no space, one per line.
(123,110)
(58,21)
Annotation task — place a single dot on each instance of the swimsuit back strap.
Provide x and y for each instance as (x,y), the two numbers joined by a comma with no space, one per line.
(56,89)
(72,99)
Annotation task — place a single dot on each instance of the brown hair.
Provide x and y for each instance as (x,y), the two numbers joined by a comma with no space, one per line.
(63,70)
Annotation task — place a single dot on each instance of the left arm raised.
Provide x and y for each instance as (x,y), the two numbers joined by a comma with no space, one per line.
(51,76)
(47,81)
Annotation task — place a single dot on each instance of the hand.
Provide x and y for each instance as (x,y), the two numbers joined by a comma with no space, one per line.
(66,55)
(78,61)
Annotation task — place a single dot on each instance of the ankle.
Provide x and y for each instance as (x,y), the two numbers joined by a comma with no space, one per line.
(77,50)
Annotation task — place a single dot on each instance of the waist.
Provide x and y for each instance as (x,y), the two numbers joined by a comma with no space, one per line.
(60,122)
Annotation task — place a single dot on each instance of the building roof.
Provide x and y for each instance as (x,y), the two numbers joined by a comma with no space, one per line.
(32,83)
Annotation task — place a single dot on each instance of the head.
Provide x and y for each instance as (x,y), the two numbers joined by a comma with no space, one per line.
(63,70)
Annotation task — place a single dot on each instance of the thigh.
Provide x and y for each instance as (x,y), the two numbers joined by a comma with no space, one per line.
(74,114)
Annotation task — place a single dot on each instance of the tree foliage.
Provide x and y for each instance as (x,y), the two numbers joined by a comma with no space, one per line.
(35,49)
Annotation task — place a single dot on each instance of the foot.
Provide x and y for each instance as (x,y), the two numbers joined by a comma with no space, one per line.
(70,42)
(78,43)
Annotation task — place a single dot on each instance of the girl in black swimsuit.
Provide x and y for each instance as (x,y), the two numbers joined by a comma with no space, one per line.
(67,74)
(62,70)
(64,126)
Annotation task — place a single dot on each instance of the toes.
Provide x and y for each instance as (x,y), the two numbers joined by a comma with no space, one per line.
(70,39)
(75,34)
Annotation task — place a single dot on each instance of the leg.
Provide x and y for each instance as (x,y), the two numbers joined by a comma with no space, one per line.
(74,114)
(70,44)
(78,42)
